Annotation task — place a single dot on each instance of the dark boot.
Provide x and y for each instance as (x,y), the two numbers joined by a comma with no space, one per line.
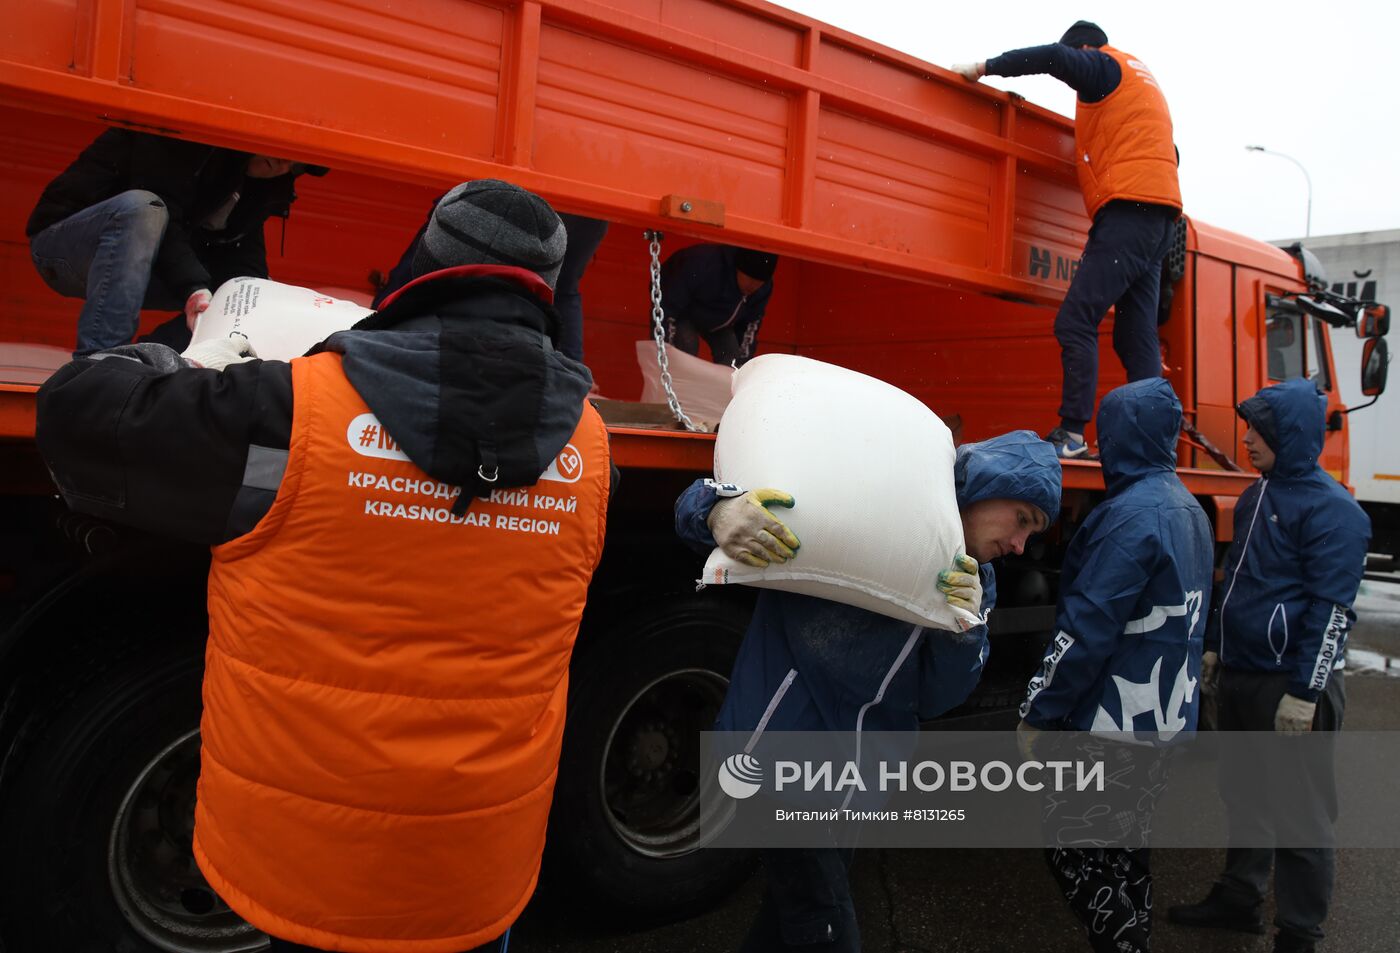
(1288,943)
(1217,911)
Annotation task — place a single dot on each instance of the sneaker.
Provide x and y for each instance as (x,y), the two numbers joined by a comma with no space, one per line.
(1287,943)
(1066,446)
(1215,911)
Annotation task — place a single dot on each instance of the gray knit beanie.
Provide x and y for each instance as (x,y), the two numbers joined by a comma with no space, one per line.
(490,222)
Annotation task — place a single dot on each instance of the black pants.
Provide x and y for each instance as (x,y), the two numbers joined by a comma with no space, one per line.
(1121,267)
(725,346)
(1109,890)
(1302,876)
(1098,846)
(806,903)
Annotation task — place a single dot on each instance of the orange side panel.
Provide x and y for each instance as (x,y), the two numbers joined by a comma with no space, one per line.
(817,143)
(1215,364)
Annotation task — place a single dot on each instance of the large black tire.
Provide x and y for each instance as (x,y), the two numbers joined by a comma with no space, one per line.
(96,827)
(623,831)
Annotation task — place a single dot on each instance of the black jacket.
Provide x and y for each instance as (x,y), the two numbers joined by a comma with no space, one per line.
(193,180)
(700,285)
(460,370)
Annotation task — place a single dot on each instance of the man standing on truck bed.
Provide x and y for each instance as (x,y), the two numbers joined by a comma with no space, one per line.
(1127,171)
(144,221)
(809,664)
(1274,654)
(387,664)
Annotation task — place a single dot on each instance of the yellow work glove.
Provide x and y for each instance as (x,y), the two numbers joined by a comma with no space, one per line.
(1294,716)
(1026,734)
(962,584)
(1210,672)
(745,530)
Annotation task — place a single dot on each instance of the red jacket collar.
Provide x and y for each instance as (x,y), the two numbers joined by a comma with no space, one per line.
(524,277)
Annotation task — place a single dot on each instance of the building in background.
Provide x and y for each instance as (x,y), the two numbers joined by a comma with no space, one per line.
(1367,265)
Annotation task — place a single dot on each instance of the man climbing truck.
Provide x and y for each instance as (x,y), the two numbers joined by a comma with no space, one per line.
(102,631)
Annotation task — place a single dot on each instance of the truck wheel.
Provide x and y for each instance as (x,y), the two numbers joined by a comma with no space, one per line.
(97,827)
(626,817)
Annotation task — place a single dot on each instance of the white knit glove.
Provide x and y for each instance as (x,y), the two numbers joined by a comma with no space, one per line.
(1294,716)
(220,352)
(1210,672)
(970,71)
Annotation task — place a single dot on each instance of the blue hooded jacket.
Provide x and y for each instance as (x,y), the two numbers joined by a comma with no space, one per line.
(808,664)
(1135,586)
(1298,555)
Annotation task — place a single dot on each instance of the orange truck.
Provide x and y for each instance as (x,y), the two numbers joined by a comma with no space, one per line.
(928,228)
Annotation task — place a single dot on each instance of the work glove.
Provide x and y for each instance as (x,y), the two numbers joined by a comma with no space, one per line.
(745,530)
(962,584)
(1210,672)
(220,352)
(1294,716)
(1026,735)
(195,305)
(970,71)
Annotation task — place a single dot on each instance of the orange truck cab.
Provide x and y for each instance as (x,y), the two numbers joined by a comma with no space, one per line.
(927,229)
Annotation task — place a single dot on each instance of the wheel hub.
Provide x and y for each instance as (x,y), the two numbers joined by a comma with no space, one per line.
(150,862)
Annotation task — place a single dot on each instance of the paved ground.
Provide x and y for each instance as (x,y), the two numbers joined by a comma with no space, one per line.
(989,901)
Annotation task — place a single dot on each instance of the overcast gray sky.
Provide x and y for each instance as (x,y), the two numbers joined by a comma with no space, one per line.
(1315,80)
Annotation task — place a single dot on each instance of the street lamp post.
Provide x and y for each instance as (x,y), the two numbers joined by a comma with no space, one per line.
(1307,233)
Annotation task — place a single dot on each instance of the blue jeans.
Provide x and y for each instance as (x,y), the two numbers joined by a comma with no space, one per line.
(1121,268)
(103,255)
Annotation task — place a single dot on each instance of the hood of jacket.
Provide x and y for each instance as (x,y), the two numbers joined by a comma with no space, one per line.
(1139,424)
(460,367)
(1015,466)
(1292,419)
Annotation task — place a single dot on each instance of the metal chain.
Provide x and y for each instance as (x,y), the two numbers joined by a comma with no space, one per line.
(658,332)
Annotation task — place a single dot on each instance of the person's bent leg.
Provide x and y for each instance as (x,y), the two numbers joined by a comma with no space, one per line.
(1135,337)
(1104,887)
(104,254)
(1124,238)
(1097,284)
(724,347)
(684,337)
(585,235)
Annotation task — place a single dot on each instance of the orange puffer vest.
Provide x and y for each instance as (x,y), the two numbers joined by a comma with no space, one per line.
(385,686)
(1123,143)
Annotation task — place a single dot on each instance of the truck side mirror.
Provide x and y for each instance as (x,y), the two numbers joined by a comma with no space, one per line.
(1373,322)
(1375,364)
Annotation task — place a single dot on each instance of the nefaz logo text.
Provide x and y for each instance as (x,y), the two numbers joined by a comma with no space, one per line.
(1048,264)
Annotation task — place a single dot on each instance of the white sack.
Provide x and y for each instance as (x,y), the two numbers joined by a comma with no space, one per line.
(871,471)
(280,321)
(702,387)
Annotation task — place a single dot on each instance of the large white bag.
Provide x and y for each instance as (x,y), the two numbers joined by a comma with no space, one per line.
(871,470)
(280,321)
(701,386)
